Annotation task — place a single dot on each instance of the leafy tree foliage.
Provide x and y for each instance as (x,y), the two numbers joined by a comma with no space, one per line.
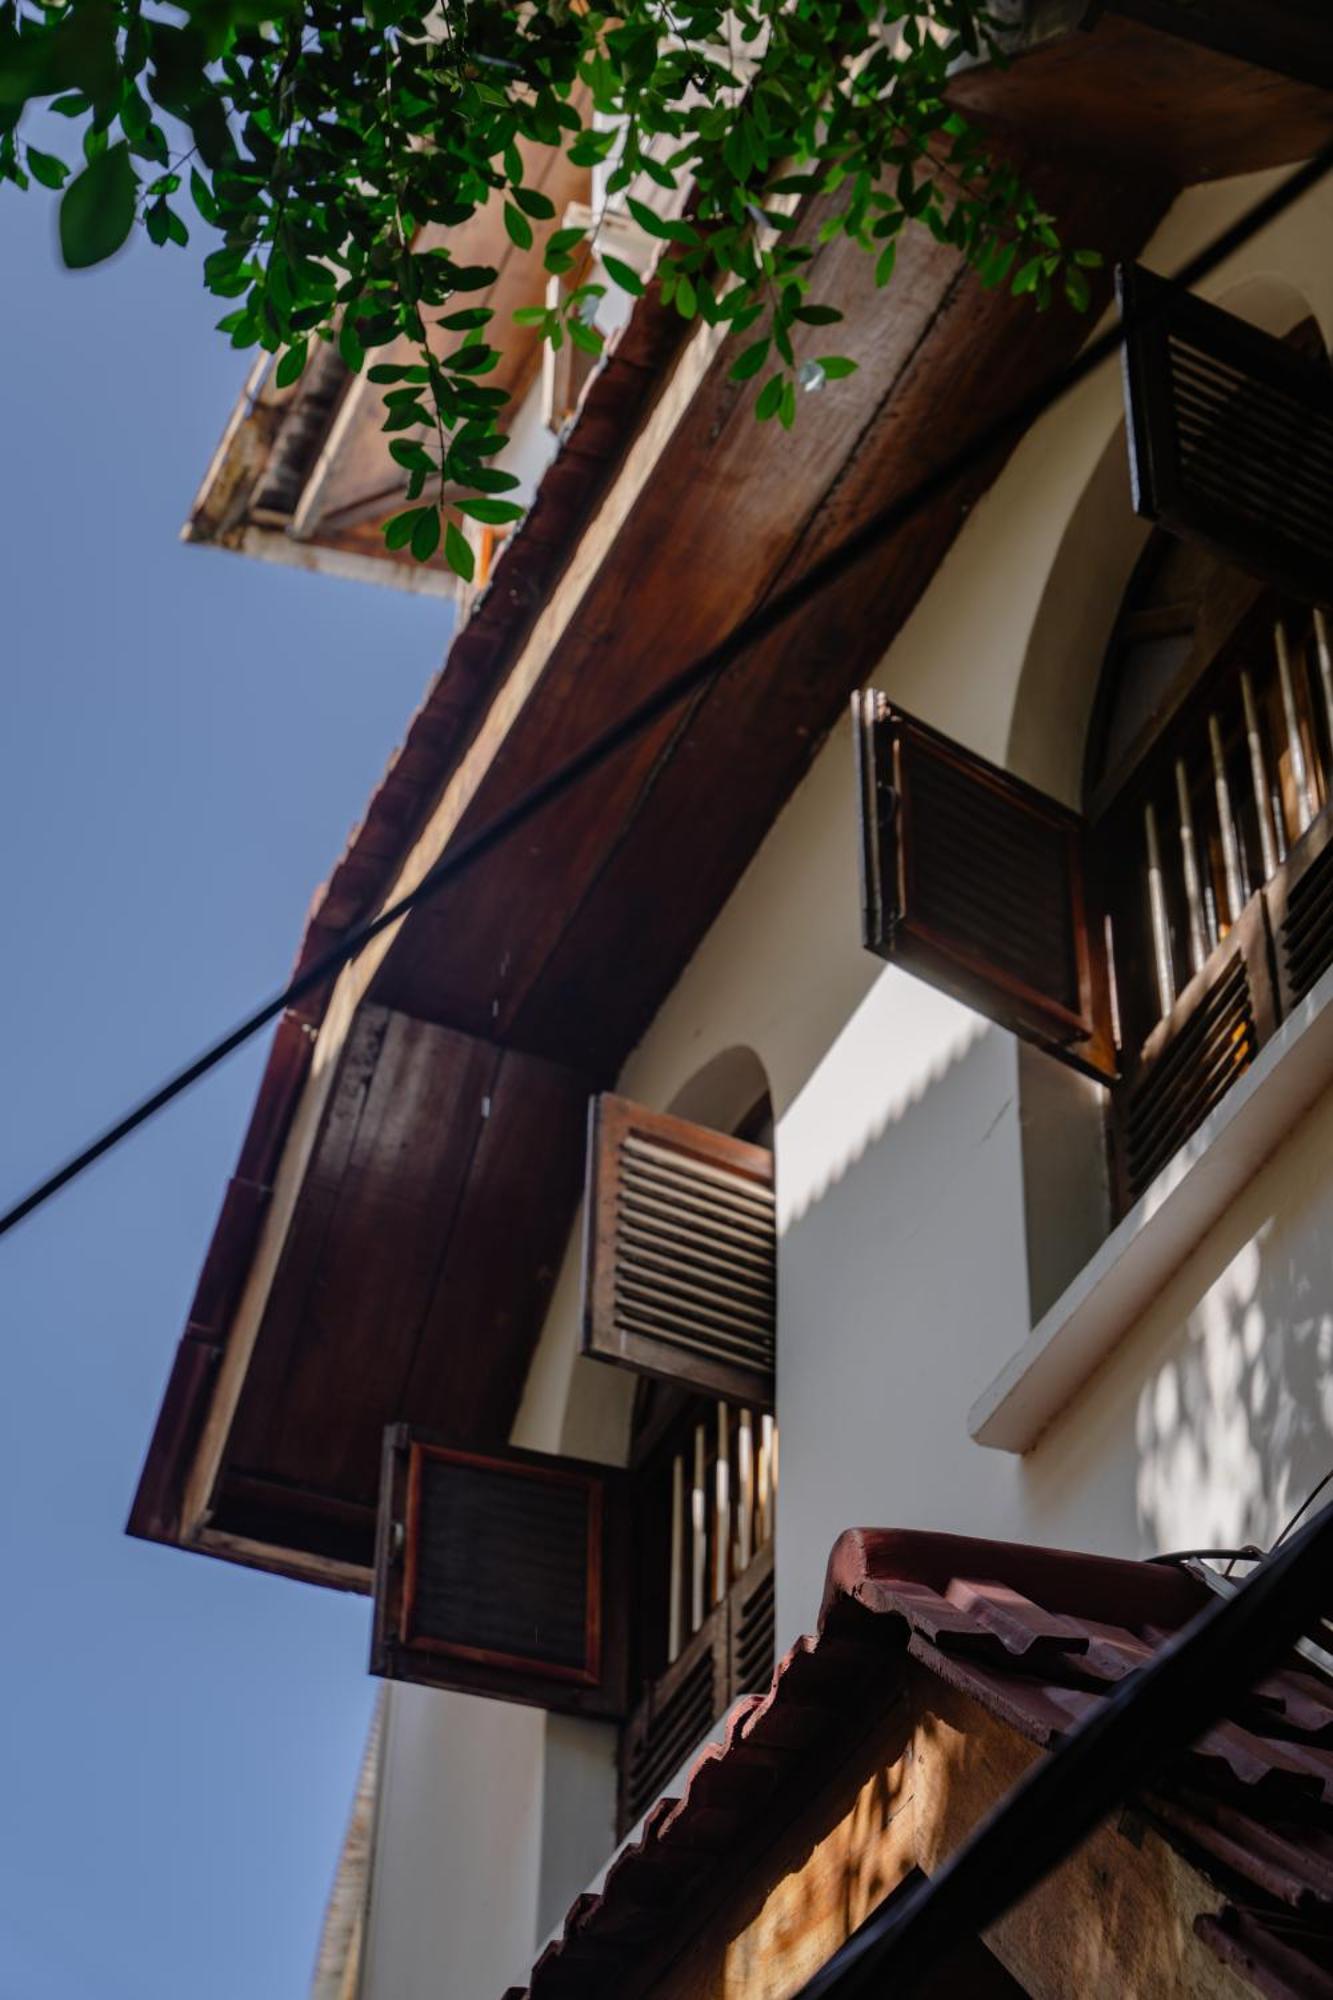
(335,147)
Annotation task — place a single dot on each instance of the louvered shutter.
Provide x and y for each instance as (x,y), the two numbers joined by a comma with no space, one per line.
(1230,435)
(680,1252)
(1300,905)
(1191,1059)
(978,883)
(502,1573)
(1290,36)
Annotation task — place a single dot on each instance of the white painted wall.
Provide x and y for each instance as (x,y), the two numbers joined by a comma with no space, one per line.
(907,1207)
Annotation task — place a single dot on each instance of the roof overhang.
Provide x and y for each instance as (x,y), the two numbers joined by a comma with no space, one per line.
(333,1298)
(941,1669)
(302,474)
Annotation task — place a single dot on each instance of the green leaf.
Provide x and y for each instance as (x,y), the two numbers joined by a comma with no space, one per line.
(660,226)
(539,206)
(458,553)
(787,406)
(769,399)
(686,299)
(46,168)
(398,531)
(426,534)
(413,457)
(884,267)
(290,367)
(203,196)
(835,366)
(627,279)
(466,321)
(350,346)
(1077,289)
(517,227)
(751,361)
(97,209)
(818,315)
(494,512)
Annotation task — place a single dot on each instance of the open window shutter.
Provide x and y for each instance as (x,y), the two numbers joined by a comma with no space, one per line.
(1230,435)
(680,1251)
(1290,36)
(502,1573)
(979,884)
(1194,1055)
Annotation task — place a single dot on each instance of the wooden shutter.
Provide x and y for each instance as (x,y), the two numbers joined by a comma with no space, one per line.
(1230,435)
(1194,1055)
(503,1573)
(979,884)
(730,1655)
(1290,36)
(1300,904)
(679,1252)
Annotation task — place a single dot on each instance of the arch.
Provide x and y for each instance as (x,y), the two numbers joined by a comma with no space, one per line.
(1067,1197)
(724,1093)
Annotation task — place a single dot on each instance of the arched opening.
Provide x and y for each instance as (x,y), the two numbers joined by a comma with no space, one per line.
(1187,707)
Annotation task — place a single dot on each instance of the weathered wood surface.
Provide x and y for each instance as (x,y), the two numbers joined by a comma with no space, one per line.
(1115,1922)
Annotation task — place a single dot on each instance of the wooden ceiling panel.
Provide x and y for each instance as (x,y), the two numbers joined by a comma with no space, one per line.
(1126,93)
(403,1198)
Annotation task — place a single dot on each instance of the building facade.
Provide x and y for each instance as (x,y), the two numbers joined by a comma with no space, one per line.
(1050,1267)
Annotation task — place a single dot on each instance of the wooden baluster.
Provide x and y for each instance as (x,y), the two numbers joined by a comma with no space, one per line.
(699,1529)
(763,1506)
(1324,650)
(722,1506)
(1161,929)
(1189,861)
(1226,823)
(676,1602)
(1300,776)
(1259,777)
(745,1491)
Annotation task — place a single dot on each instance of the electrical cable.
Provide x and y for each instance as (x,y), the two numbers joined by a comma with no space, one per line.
(691,680)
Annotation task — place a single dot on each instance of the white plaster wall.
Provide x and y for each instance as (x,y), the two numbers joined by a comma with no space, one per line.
(903,1267)
(457,1853)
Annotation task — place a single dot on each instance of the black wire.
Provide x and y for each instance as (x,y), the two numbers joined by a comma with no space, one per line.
(1308,1501)
(690,680)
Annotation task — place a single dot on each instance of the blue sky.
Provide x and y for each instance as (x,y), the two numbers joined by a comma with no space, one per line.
(185,739)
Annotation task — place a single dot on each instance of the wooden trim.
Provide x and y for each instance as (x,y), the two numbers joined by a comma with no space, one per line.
(557,1475)
(400,1651)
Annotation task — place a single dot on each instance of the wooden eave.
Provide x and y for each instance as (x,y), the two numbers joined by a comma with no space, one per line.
(303,475)
(666,517)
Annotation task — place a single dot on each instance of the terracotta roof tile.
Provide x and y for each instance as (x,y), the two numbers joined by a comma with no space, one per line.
(1038,1637)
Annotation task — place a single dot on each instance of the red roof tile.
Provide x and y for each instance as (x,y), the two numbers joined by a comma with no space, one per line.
(1037,1636)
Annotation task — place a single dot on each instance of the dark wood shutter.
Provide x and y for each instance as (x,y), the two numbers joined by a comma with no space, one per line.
(679,1253)
(1290,36)
(1191,1059)
(502,1573)
(1230,435)
(979,884)
(730,1655)
(1300,904)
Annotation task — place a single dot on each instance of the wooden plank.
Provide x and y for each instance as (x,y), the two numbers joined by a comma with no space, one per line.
(352,1336)
(1127,95)
(495,1281)
(330,1105)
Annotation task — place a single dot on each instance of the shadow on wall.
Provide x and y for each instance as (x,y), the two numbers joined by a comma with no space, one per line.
(1236,1429)
(1213,1420)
